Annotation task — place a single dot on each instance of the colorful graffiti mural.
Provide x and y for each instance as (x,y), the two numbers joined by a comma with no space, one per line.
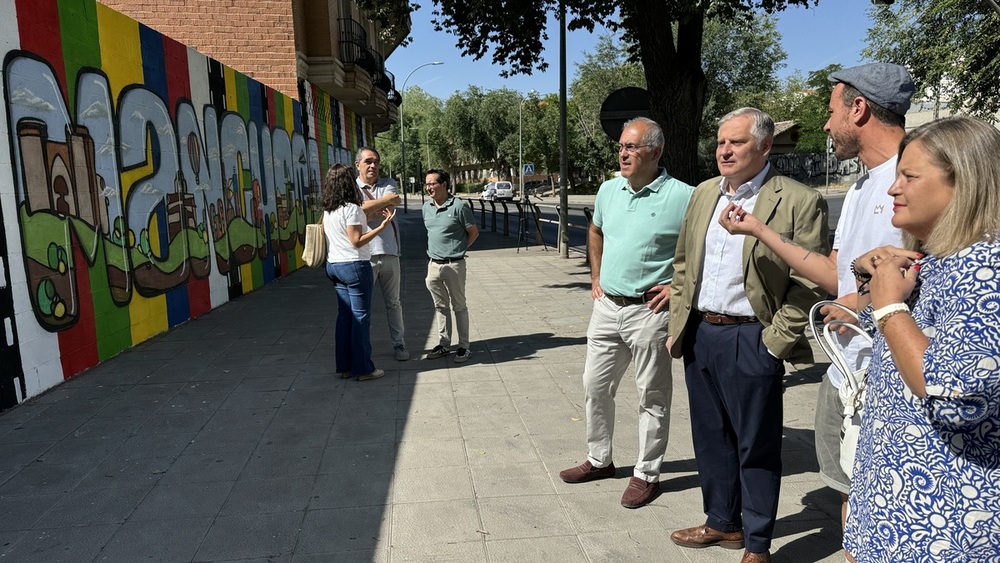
(150,185)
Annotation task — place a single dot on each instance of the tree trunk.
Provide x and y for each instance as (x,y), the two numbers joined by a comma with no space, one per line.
(674,78)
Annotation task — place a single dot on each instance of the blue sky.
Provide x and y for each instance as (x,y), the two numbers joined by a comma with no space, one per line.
(833,32)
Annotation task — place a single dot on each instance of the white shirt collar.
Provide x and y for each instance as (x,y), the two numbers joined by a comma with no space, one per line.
(748,189)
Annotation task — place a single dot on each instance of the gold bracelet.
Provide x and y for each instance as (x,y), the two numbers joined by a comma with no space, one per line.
(885,318)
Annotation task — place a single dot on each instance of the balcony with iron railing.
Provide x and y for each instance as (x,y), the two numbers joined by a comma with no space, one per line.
(379,78)
(354,47)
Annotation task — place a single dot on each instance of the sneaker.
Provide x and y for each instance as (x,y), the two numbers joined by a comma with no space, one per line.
(345,375)
(373,375)
(462,355)
(401,354)
(438,352)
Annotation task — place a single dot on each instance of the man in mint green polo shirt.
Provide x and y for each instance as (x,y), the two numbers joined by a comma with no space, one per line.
(451,230)
(637,218)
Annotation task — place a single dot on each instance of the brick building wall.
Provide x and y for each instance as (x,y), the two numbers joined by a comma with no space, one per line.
(256,37)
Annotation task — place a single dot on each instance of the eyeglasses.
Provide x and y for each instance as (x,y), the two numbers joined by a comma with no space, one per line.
(429,184)
(631,149)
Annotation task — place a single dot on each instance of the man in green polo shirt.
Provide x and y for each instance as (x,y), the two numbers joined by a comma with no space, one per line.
(451,230)
(637,218)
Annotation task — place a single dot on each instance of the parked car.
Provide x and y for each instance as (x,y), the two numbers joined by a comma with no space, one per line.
(503,191)
(489,192)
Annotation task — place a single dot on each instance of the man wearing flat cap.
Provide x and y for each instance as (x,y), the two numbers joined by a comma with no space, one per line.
(867,108)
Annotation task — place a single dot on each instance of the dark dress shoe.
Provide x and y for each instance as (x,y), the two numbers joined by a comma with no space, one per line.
(639,492)
(586,472)
(752,557)
(703,536)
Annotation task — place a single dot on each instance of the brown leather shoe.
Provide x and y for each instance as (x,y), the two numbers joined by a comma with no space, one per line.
(586,472)
(703,536)
(752,557)
(639,492)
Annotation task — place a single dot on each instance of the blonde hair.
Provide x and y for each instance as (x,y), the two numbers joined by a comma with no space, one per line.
(966,150)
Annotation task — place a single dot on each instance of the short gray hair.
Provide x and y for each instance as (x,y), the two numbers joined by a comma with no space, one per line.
(762,126)
(357,155)
(654,133)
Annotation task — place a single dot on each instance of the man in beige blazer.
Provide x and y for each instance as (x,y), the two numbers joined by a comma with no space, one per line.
(737,312)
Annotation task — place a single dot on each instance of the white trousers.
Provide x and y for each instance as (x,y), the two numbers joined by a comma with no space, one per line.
(446,282)
(616,336)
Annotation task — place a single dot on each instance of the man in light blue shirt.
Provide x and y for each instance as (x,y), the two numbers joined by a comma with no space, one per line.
(637,218)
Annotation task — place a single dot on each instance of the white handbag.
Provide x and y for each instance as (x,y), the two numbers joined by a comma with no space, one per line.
(852,390)
(314,249)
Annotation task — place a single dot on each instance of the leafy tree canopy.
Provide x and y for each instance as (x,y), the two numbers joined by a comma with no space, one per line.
(421,121)
(741,58)
(667,37)
(602,72)
(951,48)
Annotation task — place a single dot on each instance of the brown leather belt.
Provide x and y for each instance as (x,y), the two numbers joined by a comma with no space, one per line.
(624,301)
(720,319)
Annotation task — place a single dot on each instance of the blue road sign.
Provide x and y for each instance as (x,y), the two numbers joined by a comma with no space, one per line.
(529,169)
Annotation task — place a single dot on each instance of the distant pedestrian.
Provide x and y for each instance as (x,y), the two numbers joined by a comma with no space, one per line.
(379,194)
(637,218)
(348,267)
(451,230)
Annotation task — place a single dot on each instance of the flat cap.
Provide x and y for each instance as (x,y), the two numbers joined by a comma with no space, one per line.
(886,84)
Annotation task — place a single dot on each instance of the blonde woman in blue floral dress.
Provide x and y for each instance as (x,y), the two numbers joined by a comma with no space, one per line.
(926,480)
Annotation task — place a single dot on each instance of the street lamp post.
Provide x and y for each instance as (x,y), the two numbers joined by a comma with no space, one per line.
(402,135)
(520,143)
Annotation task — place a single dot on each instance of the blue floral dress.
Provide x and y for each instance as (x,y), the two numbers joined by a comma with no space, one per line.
(926,481)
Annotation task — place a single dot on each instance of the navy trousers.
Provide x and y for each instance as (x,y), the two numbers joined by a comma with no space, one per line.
(735,393)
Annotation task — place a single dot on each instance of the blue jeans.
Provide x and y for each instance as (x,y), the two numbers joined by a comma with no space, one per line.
(353,281)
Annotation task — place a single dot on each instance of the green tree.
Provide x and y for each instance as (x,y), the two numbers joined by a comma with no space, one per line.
(806,102)
(668,42)
(422,113)
(741,58)
(785,101)
(602,72)
(951,48)
(541,135)
(813,111)
(482,124)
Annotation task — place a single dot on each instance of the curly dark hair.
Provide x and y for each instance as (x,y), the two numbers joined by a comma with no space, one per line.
(339,188)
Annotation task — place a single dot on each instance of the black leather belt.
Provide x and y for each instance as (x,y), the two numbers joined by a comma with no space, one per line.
(720,319)
(445,260)
(623,301)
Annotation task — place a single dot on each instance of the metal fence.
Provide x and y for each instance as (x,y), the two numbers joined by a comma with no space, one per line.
(530,222)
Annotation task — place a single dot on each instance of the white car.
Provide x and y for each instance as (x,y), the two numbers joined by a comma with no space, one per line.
(500,191)
(489,193)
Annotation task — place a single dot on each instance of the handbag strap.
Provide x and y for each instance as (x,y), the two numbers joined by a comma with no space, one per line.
(827,340)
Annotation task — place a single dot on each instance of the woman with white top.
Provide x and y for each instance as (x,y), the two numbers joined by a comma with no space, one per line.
(349,268)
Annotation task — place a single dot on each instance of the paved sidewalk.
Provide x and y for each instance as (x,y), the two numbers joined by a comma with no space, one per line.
(231,439)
